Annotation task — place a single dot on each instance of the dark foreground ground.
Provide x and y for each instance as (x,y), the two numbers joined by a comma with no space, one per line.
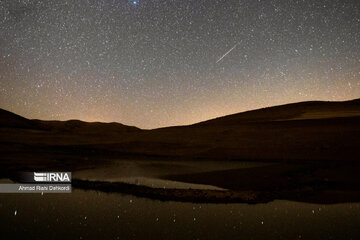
(315,147)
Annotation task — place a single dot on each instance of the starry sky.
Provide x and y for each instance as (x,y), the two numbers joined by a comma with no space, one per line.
(156,63)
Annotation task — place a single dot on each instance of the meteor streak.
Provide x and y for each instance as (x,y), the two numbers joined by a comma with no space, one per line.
(227,53)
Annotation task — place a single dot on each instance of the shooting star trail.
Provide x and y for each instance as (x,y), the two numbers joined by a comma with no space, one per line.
(227,53)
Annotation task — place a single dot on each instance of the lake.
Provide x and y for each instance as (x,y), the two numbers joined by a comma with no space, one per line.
(98,215)
(95,215)
(155,173)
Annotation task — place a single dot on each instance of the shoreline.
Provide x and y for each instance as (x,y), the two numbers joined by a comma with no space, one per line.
(306,194)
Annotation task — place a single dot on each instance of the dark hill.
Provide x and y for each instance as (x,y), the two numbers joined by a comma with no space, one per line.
(11,120)
(306,131)
(294,111)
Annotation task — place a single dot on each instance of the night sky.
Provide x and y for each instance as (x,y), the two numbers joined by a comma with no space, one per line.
(154,63)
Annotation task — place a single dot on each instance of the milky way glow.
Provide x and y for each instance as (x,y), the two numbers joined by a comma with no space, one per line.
(152,63)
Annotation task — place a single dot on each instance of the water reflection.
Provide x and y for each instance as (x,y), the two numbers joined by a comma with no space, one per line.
(94,215)
(154,173)
(165,184)
(156,169)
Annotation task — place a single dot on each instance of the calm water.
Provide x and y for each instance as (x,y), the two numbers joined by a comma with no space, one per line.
(94,215)
(153,173)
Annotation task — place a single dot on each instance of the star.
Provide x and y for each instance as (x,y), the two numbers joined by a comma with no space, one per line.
(112,62)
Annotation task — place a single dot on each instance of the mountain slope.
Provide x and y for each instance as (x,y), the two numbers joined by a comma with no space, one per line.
(307,131)
(294,111)
(11,120)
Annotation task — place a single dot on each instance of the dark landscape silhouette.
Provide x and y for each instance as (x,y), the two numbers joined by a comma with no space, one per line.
(313,148)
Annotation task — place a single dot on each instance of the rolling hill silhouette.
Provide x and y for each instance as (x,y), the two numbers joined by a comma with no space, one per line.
(306,131)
